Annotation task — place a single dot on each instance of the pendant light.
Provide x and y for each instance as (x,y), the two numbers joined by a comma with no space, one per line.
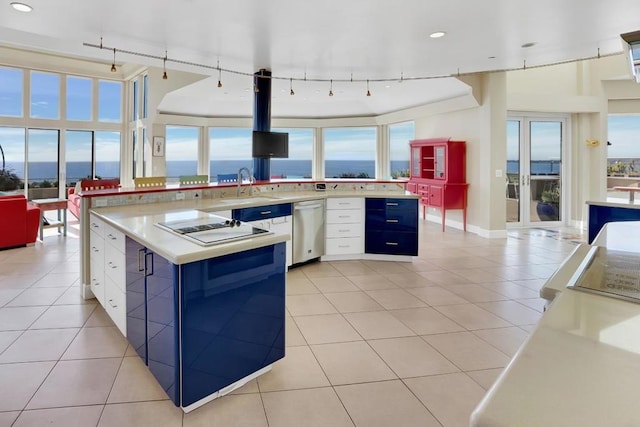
(164,66)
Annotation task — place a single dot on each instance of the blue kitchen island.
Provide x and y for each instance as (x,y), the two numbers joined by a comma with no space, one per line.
(205,320)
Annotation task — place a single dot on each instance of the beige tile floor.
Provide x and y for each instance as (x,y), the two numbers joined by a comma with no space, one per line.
(368,343)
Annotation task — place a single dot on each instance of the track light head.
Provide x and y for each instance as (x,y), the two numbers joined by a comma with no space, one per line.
(291,92)
(164,66)
(219,83)
(331,88)
(219,75)
(368,91)
(113,64)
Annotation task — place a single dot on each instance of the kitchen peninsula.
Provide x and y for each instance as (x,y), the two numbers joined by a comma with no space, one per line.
(581,364)
(208,318)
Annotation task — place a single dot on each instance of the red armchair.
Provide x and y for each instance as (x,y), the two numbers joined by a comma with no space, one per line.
(73,199)
(19,221)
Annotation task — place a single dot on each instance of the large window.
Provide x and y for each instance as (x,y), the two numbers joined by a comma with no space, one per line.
(107,154)
(10,92)
(79,158)
(12,145)
(109,101)
(145,96)
(45,95)
(229,150)
(298,165)
(181,150)
(399,136)
(78,98)
(350,152)
(623,156)
(42,174)
(134,101)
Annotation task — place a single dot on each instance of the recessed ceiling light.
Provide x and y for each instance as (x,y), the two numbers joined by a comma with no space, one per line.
(437,34)
(21,7)
(530,44)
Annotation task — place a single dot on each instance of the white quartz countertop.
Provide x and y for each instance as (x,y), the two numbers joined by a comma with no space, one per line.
(581,364)
(141,227)
(138,221)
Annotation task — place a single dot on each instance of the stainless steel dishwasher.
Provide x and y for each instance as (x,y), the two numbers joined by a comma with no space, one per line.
(308,230)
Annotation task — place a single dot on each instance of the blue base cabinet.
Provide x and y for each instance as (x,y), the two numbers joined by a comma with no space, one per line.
(391,226)
(209,323)
(600,215)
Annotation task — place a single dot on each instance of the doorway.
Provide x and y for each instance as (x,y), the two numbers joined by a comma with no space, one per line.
(535,170)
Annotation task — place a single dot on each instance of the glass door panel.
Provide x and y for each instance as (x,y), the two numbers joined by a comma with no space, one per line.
(534,170)
(513,170)
(440,152)
(43,163)
(545,169)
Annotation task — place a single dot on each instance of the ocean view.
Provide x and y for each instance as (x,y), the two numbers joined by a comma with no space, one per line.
(41,171)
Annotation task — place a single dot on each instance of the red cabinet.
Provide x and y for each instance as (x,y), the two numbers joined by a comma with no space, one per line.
(438,175)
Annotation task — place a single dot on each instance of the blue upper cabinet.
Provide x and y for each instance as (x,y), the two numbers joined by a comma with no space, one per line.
(391,226)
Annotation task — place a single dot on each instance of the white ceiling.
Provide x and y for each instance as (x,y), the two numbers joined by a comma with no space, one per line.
(329,39)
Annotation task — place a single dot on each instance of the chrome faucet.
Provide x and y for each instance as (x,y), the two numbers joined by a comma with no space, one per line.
(240,180)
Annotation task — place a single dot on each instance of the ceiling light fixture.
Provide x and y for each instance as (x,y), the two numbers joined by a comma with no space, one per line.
(368,92)
(331,88)
(530,44)
(113,64)
(213,68)
(291,92)
(437,34)
(21,7)
(164,66)
(219,75)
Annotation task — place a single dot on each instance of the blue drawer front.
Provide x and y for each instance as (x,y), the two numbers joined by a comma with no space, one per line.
(233,316)
(391,243)
(136,297)
(395,220)
(262,212)
(390,204)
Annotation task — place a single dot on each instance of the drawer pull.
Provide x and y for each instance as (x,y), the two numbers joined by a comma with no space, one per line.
(393,221)
(343,231)
(343,216)
(112,304)
(112,237)
(265,212)
(112,265)
(94,249)
(391,243)
(94,225)
(96,283)
(344,246)
(392,204)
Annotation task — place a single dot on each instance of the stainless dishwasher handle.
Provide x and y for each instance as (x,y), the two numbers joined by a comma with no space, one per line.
(307,207)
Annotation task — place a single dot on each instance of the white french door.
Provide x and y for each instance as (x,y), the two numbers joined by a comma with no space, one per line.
(535,170)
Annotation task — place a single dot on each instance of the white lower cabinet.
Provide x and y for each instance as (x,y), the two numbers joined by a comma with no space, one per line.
(344,226)
(108,270)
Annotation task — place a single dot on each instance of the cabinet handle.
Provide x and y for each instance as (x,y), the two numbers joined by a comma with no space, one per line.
(344,246)
(343,216)
(391,243)
(112,265)
(96,283)
(140,266)
(94,249)
(392,221)
(112,305)
(112,237)
(392,204)
(265,212)
(94,225)
(343,231)
(146,264)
